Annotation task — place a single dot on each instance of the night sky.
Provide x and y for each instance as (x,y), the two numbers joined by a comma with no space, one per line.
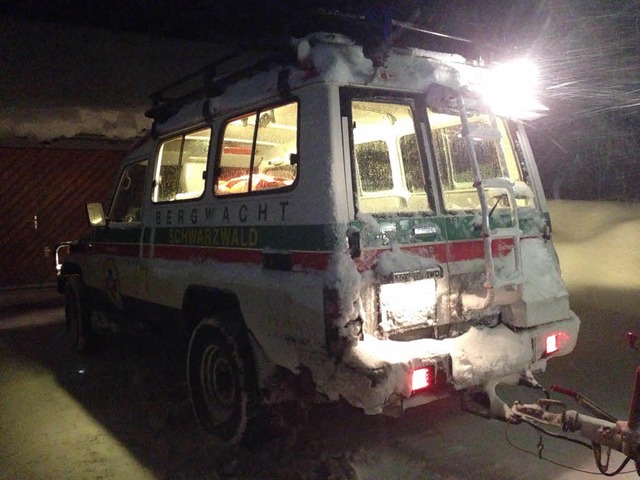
(495,24)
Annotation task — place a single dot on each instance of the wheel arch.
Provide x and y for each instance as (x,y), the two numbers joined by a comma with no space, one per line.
(200,301)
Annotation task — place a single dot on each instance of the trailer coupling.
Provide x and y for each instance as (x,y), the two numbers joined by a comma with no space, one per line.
(597,426)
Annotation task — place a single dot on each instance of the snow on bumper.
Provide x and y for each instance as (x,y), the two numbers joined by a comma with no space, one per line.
(375,374)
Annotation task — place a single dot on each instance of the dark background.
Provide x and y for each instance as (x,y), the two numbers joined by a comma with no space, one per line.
(587,52)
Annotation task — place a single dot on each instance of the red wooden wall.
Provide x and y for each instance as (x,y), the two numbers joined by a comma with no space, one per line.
(54,185)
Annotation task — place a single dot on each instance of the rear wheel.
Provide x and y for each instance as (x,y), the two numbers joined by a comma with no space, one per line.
(78,315)
(220,374)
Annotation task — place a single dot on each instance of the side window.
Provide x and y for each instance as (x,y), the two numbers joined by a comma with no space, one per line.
(181,166)
(127,203)
(259,151)
(389,176)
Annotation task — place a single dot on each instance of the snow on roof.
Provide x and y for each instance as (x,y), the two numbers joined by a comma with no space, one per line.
(336,59)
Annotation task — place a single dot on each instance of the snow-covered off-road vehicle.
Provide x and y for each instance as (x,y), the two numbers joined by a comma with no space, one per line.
(367,221)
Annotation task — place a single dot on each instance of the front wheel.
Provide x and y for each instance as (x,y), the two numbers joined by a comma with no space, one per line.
(219,375)
(78,315)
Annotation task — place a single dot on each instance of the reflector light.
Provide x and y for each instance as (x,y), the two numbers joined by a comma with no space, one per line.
(422,378)
(551,344)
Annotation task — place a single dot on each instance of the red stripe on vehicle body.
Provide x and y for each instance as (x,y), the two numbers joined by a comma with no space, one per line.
(462,250)
(314,260)
(437,251)
(444,252)
(309,260)
(457,251)
(181,252)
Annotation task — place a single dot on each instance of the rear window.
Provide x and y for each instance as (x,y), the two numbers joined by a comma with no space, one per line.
(495,153)
(389,173)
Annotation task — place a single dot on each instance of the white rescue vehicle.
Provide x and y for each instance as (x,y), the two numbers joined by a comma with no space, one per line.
(371,223)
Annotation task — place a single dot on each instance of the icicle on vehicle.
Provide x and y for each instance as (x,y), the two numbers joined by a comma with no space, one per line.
(349,217)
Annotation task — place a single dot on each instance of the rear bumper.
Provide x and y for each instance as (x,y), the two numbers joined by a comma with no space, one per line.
(375,375)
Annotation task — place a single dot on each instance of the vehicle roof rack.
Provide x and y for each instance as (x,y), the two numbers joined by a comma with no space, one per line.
(374,31)
(212,83)
(377,29)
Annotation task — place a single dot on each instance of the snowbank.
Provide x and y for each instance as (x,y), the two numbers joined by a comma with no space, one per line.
(47,124)
(58,80)
(597,243)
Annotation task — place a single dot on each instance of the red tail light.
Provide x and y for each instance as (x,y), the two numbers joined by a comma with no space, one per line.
(422,378)
(551,344)
(555,342)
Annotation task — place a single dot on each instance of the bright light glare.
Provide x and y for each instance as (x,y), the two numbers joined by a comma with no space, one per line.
(421,378)
(510,90)
(551,344)
(410,303)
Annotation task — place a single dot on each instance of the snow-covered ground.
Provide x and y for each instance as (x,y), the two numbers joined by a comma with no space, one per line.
(124,412)
(598,245)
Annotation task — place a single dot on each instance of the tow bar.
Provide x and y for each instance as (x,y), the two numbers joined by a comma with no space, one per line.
(599,427)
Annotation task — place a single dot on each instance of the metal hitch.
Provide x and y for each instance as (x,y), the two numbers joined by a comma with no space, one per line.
(598,427)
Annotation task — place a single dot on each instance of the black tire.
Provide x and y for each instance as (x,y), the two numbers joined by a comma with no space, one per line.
(221,378)
(78,315)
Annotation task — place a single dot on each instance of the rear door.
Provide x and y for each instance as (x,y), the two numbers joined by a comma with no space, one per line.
(402,236)
(484,248)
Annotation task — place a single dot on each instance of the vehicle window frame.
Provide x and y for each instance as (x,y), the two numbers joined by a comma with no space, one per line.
(415,102)
(156,164)
(257,111)
(116,194)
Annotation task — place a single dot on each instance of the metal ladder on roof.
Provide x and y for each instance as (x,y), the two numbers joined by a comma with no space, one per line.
(493,280)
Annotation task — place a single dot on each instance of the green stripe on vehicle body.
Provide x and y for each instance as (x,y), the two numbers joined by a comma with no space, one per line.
(468,227)
(384,231)
(299,237)
(437,229)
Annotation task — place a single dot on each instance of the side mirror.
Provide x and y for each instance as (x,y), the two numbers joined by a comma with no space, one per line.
(96,215)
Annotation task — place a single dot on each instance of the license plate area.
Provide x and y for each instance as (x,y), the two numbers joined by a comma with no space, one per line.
(408,300)
(408,304)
